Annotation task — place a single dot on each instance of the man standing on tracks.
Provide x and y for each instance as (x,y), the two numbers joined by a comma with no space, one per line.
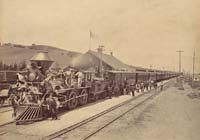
(161,86)
(137,86)
(125,89)
(132,89)
(51,102)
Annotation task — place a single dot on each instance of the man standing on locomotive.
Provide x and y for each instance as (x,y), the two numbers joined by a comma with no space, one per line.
(80,77)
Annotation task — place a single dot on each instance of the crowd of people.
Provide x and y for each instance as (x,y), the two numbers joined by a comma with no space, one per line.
(127,87)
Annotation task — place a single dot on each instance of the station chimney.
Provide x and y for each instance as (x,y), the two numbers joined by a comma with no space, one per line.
(100,52)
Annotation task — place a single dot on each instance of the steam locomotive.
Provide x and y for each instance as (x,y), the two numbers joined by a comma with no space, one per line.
(72,87)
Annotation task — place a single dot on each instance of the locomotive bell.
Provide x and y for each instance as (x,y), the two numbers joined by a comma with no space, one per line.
(42,60)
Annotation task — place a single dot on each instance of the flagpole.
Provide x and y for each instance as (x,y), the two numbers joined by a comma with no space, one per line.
(90,40)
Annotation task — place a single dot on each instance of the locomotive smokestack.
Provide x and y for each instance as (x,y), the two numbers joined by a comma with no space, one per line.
(100,51)
(43,60)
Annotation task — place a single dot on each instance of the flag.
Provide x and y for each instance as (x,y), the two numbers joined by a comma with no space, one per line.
(92,35)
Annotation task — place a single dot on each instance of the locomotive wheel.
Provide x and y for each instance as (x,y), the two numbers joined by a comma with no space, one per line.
(83,100)
(73,102)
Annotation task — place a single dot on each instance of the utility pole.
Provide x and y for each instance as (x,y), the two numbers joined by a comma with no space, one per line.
(179,51)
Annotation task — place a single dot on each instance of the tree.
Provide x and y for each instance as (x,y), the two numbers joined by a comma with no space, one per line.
(15,66)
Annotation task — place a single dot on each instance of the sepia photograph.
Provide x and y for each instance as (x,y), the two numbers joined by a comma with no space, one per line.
(99,70)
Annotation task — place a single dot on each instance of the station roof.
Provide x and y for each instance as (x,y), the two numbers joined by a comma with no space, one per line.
(111,61)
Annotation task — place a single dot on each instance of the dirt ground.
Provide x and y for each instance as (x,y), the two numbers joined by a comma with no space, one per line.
(172,115)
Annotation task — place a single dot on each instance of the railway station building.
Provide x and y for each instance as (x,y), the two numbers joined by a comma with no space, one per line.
(92,61)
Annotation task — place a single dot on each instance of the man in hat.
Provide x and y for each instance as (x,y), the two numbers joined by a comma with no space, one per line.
(161,86)
(20,77)
(14,103)
(108,89)
(80,77)
(52,106)
(132,89)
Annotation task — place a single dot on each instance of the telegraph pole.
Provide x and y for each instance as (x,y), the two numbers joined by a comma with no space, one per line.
(193,64)
(193,68)
(179,51)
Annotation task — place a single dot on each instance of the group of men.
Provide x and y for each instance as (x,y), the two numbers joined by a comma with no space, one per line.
(44,93)
(126,88)
(27,95)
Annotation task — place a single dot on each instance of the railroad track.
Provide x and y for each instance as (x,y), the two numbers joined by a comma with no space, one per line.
(118,117)
(95,119)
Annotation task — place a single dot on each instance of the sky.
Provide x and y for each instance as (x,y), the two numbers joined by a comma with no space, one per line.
(138,32)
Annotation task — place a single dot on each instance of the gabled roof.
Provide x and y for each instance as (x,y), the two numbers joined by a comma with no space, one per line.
(111,61)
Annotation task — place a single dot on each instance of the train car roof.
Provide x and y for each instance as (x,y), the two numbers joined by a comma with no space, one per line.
(118,71)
